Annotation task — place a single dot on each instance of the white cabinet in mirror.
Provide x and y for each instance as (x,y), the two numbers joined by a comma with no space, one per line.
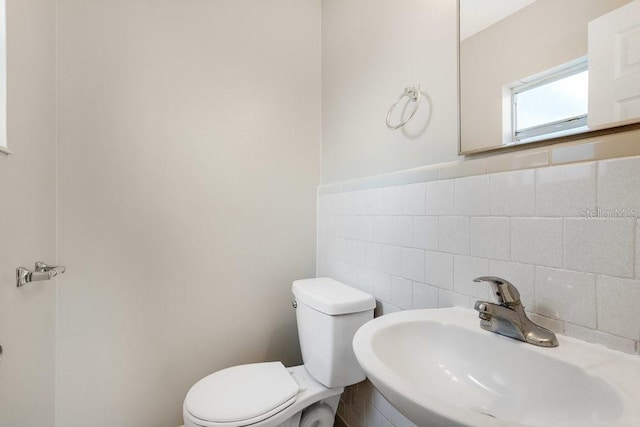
(547,70)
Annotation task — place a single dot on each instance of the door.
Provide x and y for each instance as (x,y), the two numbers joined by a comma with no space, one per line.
(28,216)
(614,66)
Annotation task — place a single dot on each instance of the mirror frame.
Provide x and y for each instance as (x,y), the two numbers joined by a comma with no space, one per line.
(608,129)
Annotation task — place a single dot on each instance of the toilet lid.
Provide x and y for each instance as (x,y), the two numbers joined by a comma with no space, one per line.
(242,392)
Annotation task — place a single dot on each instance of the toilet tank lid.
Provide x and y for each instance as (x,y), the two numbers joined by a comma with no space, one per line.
(332,297)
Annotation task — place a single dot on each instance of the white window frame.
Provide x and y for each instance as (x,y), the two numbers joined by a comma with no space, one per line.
(563,127)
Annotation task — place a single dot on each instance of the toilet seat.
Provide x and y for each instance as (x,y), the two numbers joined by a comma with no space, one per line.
(241,395)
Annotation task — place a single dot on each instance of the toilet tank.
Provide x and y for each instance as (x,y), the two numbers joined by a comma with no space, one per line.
(328,314)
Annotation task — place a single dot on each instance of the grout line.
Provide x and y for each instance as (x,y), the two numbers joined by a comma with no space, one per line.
(635,249)
(56,327)
(535,193)
(596,280)
(597,182)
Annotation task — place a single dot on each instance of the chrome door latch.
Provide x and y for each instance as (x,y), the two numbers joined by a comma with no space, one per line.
(42,271)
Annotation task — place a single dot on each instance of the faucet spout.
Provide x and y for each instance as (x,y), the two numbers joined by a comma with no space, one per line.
(508,318)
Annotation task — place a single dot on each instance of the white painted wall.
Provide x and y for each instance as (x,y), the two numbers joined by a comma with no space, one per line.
(27,217)
(189,140)
(371,50)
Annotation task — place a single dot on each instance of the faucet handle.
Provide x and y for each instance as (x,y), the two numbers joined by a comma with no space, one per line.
(506,293)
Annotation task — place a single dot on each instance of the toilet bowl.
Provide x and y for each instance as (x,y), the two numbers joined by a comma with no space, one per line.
(274,396)
(267,394)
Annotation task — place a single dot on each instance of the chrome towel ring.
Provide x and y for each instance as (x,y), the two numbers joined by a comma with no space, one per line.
(414,94)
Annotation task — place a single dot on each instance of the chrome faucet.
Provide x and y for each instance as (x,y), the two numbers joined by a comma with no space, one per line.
(508,317)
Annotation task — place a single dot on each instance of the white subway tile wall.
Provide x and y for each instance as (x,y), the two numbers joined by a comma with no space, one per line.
(618,184)
(471,195)
(513,193)
(567,236)
(537,241)
(566,295)
(562,191)
(600,245)
(499,246)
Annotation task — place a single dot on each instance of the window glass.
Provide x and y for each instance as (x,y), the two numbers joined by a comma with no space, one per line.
(555,101)
(553,104)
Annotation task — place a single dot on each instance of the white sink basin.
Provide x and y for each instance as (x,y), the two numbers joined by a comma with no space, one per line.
(438,368)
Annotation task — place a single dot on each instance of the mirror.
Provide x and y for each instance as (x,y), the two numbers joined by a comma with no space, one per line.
(538,70)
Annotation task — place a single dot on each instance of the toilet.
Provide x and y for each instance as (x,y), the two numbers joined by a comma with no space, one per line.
(328,315)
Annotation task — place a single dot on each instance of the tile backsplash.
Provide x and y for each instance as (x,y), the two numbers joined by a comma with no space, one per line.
(567,236)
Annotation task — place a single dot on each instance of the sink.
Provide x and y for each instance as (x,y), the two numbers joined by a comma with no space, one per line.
(438,368)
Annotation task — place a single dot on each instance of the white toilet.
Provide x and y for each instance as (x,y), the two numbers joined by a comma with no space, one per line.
(268,394)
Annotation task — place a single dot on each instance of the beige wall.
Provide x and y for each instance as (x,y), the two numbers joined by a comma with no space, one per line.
(27,217)
(371,50)
(514,49)
(189,140)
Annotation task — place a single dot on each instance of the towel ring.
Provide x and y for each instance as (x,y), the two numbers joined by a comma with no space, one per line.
(414,94)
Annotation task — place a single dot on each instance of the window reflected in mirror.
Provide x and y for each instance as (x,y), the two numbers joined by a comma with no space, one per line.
(550,105)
